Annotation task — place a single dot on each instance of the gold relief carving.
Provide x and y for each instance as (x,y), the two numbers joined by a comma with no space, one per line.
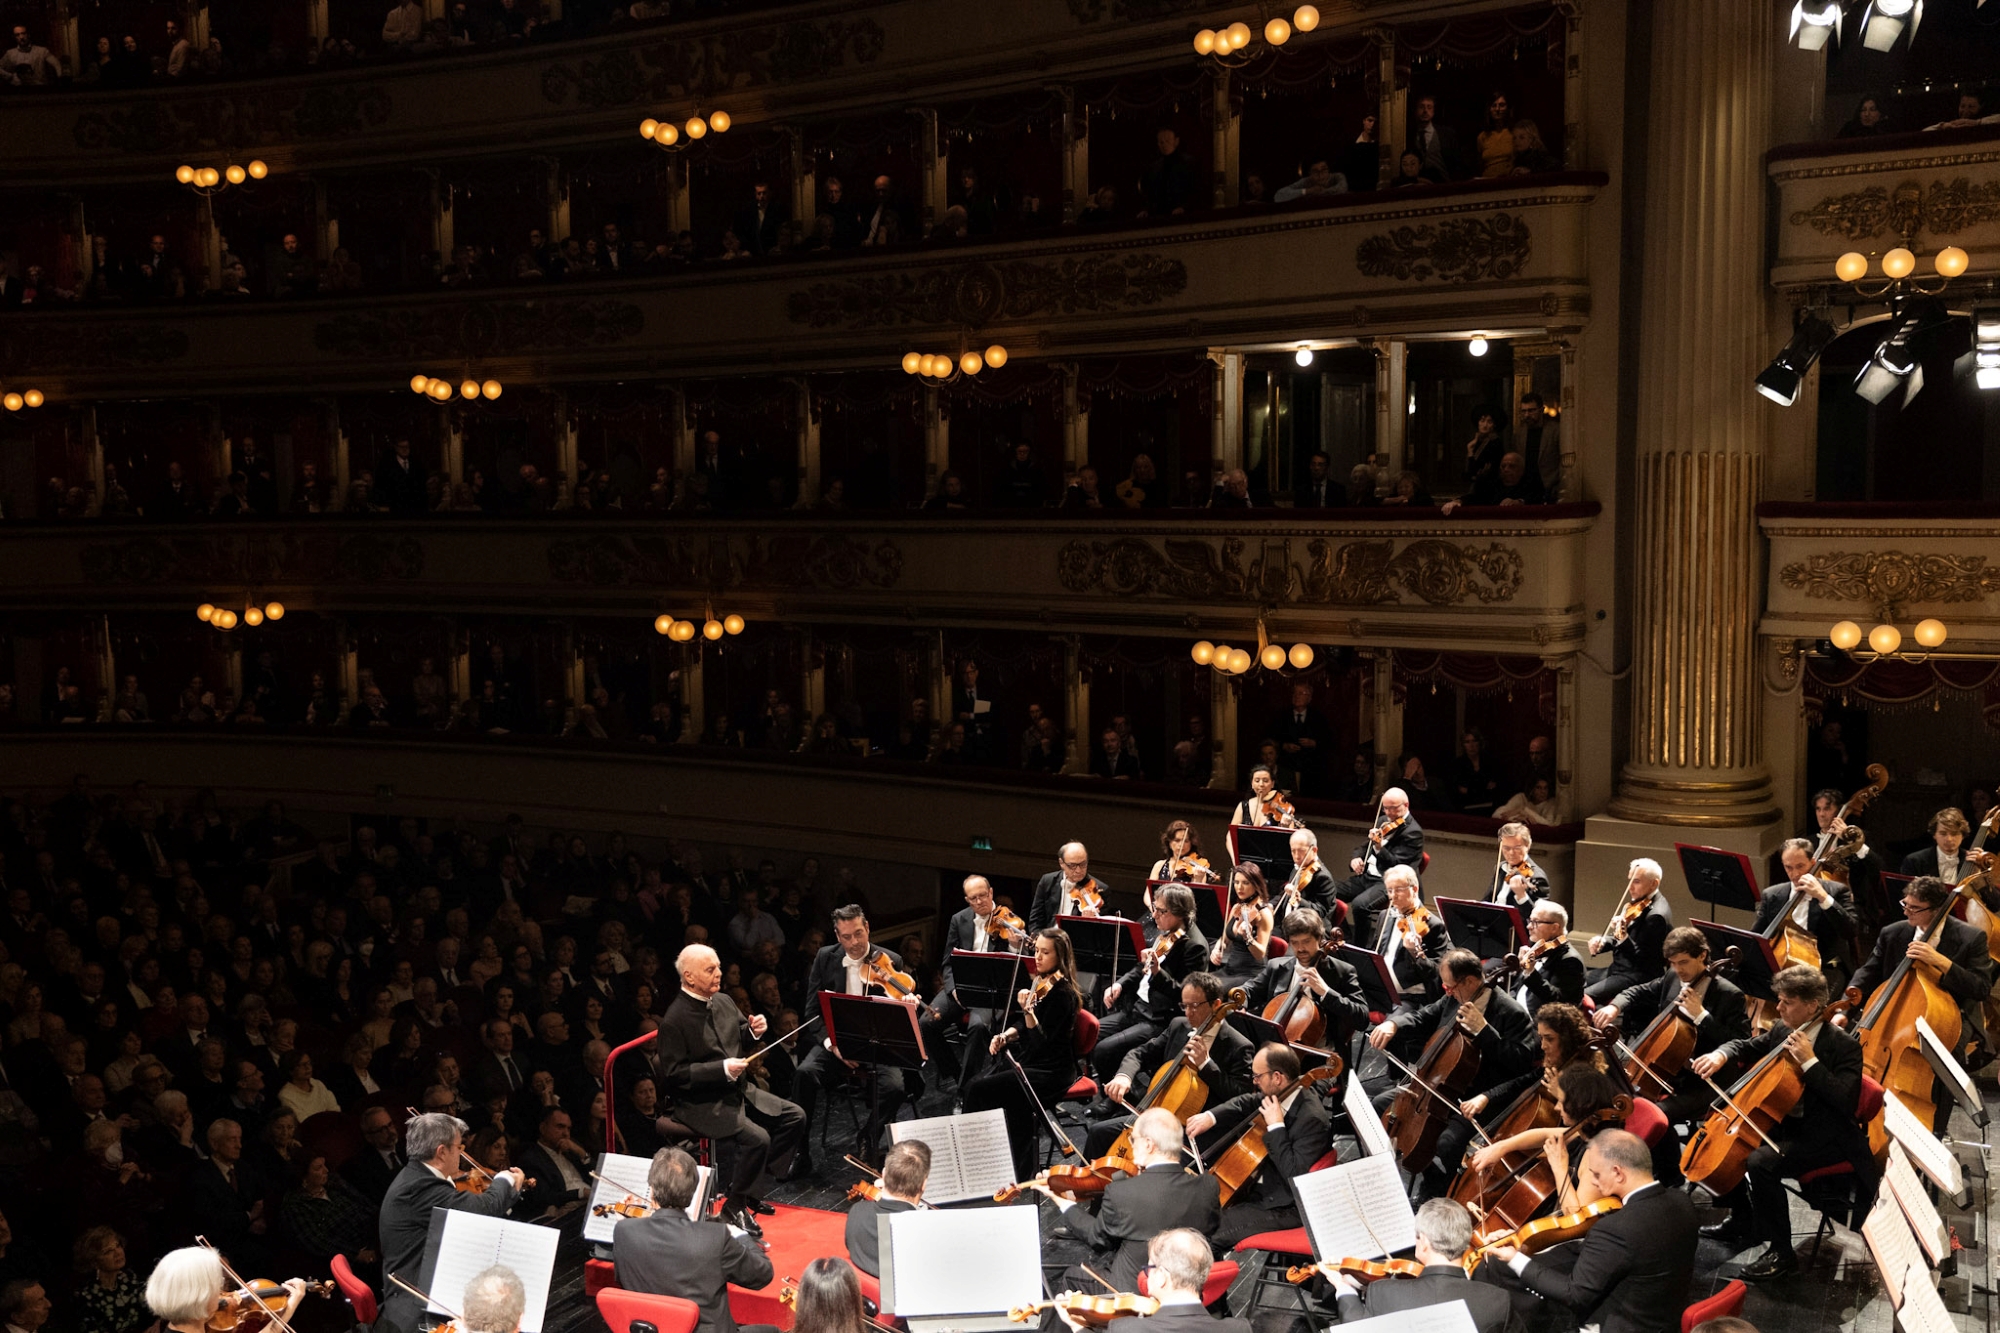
(90,346)
(1454,250)
(714,64)
(480,329)
(1945,207)
(235,120)
(979,293)
(1354,573)
(783,564)
(1888,579)
(1782,664)
(317,557)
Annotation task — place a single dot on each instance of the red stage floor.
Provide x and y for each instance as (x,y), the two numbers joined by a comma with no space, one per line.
(795,1237)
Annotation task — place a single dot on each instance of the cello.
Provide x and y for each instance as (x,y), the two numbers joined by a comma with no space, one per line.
(1437,1083)
(1662,1051)
(1297,1012)
(1234,1165)
(1176,1087)
(1515,1190)
(1791,943)
(1744,1118)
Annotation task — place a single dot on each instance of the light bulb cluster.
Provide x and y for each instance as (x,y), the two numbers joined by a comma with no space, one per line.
(1885,640)
(1238,661)
(205,179)
(253,615)
(441,390)
(683,631)
(1900,263)
(1226,41)
(14,401)
(943,365)
(667,134)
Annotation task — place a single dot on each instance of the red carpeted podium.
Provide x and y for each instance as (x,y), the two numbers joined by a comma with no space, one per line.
(795,1237)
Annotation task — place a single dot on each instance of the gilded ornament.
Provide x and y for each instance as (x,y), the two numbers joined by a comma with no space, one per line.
(715,64)
(979,293)
(1943,208)
(1356,573)
(780,564)
(254,558)
(1453,250)
(235,120)
(1889,579)
(90,346)
(480,329)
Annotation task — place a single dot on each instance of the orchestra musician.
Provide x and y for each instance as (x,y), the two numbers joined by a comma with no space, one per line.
(702,1065)
(431,1142)
(1822,1128)
(969,929)
(666,1253)
(185,1289)
(1396,840)
(842,967)
(1044,1029)
(1334,985)
(1943,858)
(1859,866)
(1825,912)
(1178,1262)
(1444,1234)
(1636,933)
(1297,1133)
(1520,882)
(1134,1209)
(1308,884)
(1265,805)
(1180,856)
(905,1171)
(1140,1003)
(1957,961)
(1221,1062)
(1550,967)
(1631,1271)
(1056,893)
(1246,931)
(495,1299)
(1411,939)
(1584,1093)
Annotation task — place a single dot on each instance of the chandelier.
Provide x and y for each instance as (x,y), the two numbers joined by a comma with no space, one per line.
(1270,656)
(440,390)
(944,367)
(253,615)
(1224,43)
(683,631)
(667,134)
(14,402)
(207,180)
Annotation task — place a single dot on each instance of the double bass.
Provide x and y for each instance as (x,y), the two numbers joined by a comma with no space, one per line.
(1791,943)
(1981,916)
(1436,1084)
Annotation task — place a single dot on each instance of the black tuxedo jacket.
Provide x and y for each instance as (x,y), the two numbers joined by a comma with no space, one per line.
(1507,1047)
(829,972)
(1137,1208)
(1226,1075)
(958,934)
(1638,956)
(863,1236)
(1048,899)
(1825,1125)
(695,1038)
(406,1227)
(1191,1319)
(1291,1149)
(1163,997)
(1632,1268)
(1557,976)
(1832,927)
(1441,1284)
(1725,1018)
(667,1255)
(1344,1006)
(1969,979)
(1419,966)
(1404,847)
(367,1172)
(1924,861)
(548,1191)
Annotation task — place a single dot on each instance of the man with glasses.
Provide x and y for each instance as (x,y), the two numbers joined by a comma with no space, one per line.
(1057,893)
(1144,1000)
(970,929)
(1137,1208)
(423,1185)
(1954,957)
(1551,968)
(1297,1132)
(1518,881)
(1220,1060)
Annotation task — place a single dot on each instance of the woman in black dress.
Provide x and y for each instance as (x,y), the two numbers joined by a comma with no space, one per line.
(1043,1031)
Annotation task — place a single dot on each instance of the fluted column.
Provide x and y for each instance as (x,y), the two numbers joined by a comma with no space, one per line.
(1696,755)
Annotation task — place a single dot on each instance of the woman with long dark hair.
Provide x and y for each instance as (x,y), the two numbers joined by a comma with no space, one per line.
(829,1299)
(1043,1033)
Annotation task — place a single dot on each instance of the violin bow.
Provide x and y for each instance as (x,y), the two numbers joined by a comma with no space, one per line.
(860,1165)
(1055,1126)
(425,1297)
(1093,1272)
(241,1285)
(630,1193)
(1430,1088)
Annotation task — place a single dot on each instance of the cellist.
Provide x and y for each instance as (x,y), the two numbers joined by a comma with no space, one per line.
(1563,1036)
(1714,1003)
(1330,983)
(1822,1128)
(1297,1133)
(1825,909)
(1221,1062)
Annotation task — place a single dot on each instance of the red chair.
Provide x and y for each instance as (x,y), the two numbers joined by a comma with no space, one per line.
(360,1298)
(670,1314)
(1221,1277)
(1648,1121)
(1725,1304)
(1292,1244)
(598,1274)
(1830,1190)
(1084,1088)
(1278,947)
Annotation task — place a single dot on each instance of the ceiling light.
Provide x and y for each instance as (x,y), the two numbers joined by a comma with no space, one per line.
(1478,346)
(1305,18)
(1304,356)
(1813,21)
(1885,20)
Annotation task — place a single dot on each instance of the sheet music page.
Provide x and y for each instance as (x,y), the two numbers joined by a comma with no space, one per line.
(471,1244)
(1357,1210)
(1925,1223)
(1891,1245)
(1945,1063)
(1923,1309)
(1375,1140)
(970,1155)
(621,1174)
(967,1261)
(1451,1317)
(1930,1156)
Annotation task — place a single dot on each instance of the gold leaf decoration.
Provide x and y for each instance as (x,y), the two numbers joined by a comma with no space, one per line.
(1357,573)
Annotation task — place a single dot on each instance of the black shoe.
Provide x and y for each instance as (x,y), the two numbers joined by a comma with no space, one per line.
(1735,1231)
(738,1215)
(759,1207)
(1774,1264)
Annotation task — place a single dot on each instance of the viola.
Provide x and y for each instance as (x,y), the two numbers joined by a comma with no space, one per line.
(1164,945)
(1294,889)
(864,1189)
(1176,1086)
(476,1179)
(1440,1080)
(1235,1165)
(1093,1311)
(877,970)
(252,1305)
(1072,1182)
(1088,899)
(1361,1270)
(1547,1232)
(1500,968)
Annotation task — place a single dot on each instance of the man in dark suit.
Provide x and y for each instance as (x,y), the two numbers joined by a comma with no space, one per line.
(846,214)
(424,1184)
(1558,973)
(1518,881)
(1319,490)
(1822,1129)
(373,1168)
(905,1171)
(1946,857)
(559,1166)
(1297,1133)
(841,968)
(501,1072)
(1333,985)
(1412,958)
(972,707)
(700,1038)
(1180,1260)
(1137,1208)
(1401,845)
(759,225)
(225,1198)
(1825,908)
(1141,1002)
(399,481)
(666,1254)
(177,500)
(968,930)
(1305,739)
(1221,1060)
(1635,947)
(1633,1268)
(1444,1233)
(1056,892)
(1441,149)
(1955,959)
(1307,883)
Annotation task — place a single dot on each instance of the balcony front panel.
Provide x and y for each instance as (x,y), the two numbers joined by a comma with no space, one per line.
(1873,564)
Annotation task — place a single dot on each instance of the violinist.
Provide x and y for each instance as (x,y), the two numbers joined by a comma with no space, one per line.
(1637,931)
(1518,881)
(667,1253)
(1444,1234)
(1246,931)
(1180,856)
(1068,890)
(1549,967)
(973,929)
(1631,1271)
(1297,1132)
(905,1171)
(1044,1030)
(849,966)
(1141,1002)
(1822,1128)
(1221,1061)
(1584,1093)
(187,1288)
(1178,1264)
(1956,961)
(1137,1208)
(495,1299)
(1502,1029)
(1310,966)
(1395,840)
(425,1183)
(1717,1007)
(1265,806)
(1411,939)
(1308,885)
(1824,908)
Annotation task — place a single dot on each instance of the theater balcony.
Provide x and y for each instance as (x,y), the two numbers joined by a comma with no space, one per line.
(1883,564)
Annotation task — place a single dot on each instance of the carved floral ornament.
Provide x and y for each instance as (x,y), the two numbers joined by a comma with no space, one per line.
(319,557)
(1470,249)
(235,120)
(1357,573)
(977,294)
(707,66)
(1942,208)
(480,329)
(781,564)
(1889,580)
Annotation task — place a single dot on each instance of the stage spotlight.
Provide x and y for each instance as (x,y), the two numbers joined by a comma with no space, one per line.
(1813,21)
(1885,20)
(1781,379)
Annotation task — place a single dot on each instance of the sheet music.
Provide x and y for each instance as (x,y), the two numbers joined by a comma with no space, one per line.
(621,1174)
(970,1155)
(1928,1227)
(1357,1210)
(1930,1156)
(1948,1068)
(1368,1128)
(969,1261)
(471,1244)
(1451,1317)
(1923,1309)
(1891,1244)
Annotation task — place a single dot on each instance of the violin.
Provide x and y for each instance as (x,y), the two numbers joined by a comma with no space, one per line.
(1628,913)
(1380,833)
(1088,899)
(1072,1182)
(476,1179)
(1415,926)
(252,1305)
(1165,944)
(1093,1311)
(1005,925)
(877,970)
(1190,869)
(1500,968)
(1294,889)
(629,1206)
(864,1189)
(1276,809)
(1361,1270)
(1547,1232)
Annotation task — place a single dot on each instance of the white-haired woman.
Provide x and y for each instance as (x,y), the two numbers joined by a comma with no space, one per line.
(187,1288)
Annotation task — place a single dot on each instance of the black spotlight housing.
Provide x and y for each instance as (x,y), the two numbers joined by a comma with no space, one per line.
(1780,380)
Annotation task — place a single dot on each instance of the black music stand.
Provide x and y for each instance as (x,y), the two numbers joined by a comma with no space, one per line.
(1754,965)
(1104,945)
(1265,846)
(1209,909)
(987,980)
(1718,877)
(1378,983)
(873,1031)
(1490,930)
(1263,1030)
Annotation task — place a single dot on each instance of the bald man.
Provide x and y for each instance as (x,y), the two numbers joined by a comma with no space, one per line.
(703,1042)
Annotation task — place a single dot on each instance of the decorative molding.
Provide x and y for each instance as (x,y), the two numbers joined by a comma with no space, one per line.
(715,64)
(1942,209)
(1357,573)
(1129,11)
(89,346)
(1887,580)
(1466,249)
(316,557)
(235,120)
(979,293)
(781,563)
(481,329)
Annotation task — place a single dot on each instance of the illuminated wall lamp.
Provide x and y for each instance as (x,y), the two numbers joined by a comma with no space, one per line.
(1885,640)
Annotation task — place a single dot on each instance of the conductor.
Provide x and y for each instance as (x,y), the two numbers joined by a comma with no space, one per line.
(432,1142)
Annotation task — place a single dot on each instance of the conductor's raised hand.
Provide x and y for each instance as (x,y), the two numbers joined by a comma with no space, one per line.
(758,1025)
